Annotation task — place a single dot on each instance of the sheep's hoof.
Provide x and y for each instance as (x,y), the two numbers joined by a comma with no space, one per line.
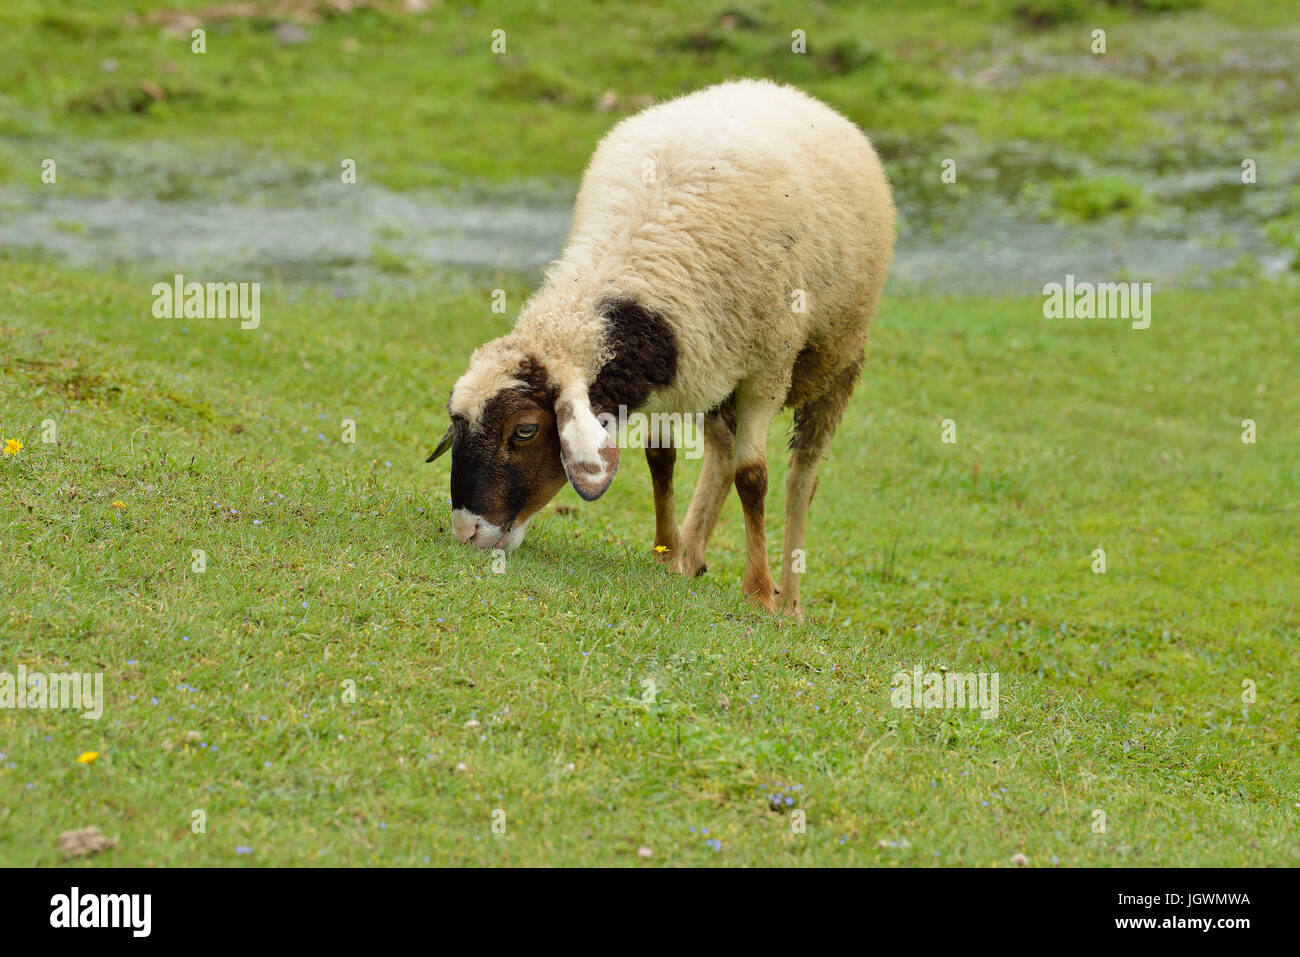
(791,608)
(690,566)
(761,595)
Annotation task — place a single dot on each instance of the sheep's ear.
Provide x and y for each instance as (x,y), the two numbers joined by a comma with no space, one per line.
(443,446)
(588,452)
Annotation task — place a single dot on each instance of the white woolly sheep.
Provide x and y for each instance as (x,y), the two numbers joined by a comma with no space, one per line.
(727,254)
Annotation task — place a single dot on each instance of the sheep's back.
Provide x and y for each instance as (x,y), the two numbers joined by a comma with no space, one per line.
(725,207)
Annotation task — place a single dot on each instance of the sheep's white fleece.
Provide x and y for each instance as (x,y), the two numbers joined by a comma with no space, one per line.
(716,210)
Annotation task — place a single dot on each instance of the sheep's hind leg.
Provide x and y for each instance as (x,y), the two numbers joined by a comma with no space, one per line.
(814,424)
(710,493)
(661,461)
(754,413)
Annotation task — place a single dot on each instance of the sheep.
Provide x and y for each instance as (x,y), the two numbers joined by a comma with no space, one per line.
(727,254)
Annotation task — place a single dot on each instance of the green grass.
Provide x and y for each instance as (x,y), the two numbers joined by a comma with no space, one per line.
(421,100)
(330,563)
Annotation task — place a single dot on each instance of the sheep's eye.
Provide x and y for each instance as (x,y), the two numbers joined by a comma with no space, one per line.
(525,432)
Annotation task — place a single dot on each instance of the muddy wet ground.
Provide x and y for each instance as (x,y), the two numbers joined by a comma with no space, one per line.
(997,230)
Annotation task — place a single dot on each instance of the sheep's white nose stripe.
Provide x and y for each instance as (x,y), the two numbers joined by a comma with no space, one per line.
(471,529)
(464,524)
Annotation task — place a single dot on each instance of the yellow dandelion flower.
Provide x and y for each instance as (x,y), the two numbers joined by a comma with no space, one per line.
(86,757)
(118,503)
(661,549)
(12,447)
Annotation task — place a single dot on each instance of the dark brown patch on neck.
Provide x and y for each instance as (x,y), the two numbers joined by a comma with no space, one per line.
(643,356)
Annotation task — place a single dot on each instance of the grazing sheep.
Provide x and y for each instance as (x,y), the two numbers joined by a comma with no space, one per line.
(727,253)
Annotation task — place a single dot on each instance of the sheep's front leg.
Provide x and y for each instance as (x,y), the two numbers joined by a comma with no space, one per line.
(753,417)
(661,461)
(710,494)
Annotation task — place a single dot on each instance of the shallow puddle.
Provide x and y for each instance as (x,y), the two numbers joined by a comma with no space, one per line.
(156,209)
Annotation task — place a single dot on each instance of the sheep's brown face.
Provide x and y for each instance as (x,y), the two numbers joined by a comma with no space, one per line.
(513,449)
(505,470)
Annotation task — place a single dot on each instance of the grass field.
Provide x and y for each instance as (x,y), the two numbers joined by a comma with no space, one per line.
(421,99)
(330,562)
(343,684)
